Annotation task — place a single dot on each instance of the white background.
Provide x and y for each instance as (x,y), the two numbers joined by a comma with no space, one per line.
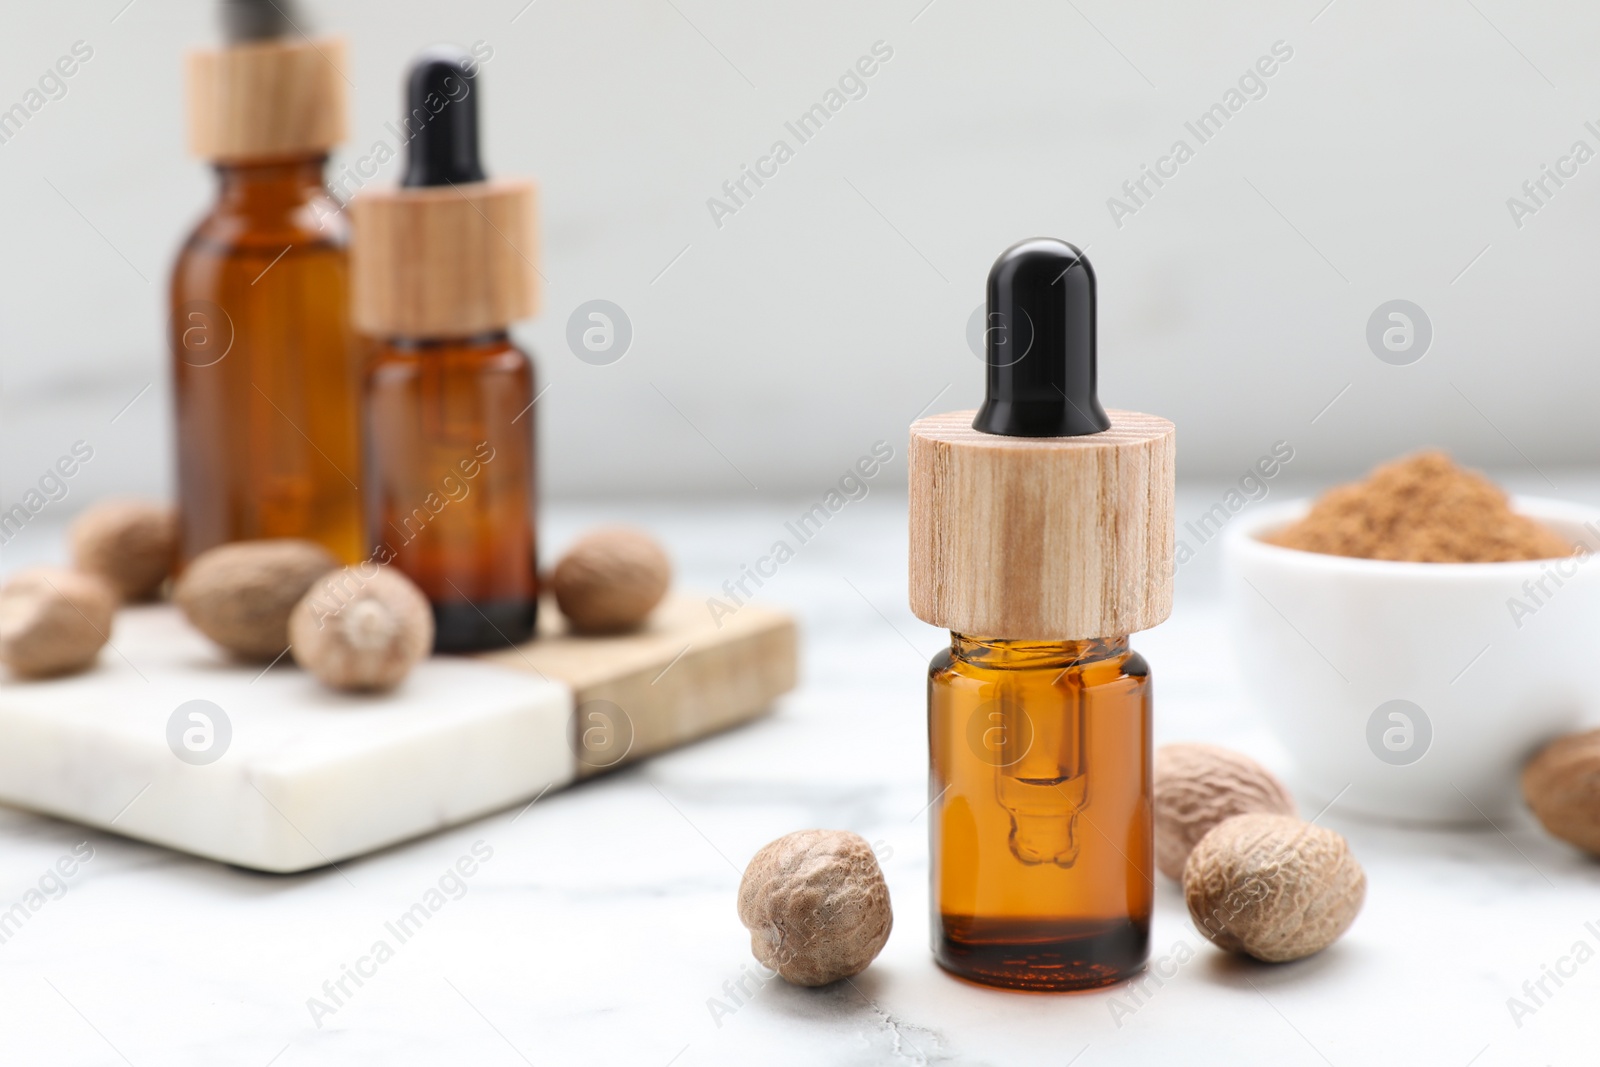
(833,307)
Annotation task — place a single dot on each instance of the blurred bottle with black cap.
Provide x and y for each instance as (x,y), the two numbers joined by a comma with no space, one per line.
(441,268)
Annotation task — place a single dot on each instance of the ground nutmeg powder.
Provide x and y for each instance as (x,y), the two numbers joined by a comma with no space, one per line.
(1425,509)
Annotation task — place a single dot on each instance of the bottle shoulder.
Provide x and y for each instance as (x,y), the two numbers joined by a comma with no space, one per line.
(317,222)
(1125,666)
(1135,666)
(494,359)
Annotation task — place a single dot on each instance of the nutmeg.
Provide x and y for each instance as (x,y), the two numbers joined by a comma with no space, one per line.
(361,628)
(132,544)
(610,580)
(1198,786)
(816,906)
(54,621)
(1272,886)
(240,595)
(1562,786)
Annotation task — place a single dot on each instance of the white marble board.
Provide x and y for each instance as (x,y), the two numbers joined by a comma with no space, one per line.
(305,776)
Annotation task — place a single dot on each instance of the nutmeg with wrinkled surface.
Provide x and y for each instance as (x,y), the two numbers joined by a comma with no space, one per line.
(1198,786)
(361,628)
(1562,786)
(610,580)
(132,544)
(816,906)
(1273,887)
(240,595)
(54,621)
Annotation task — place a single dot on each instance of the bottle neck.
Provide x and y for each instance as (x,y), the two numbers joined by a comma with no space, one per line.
(271,187)
(995,653)
(488,341)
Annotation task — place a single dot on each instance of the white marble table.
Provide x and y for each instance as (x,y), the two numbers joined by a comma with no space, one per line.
(598,926)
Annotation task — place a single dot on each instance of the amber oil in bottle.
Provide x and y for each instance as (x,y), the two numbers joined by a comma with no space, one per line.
(1042,859)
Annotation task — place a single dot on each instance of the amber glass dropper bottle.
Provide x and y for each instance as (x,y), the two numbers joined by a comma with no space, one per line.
(1041,537)
(441,268)
(264,368)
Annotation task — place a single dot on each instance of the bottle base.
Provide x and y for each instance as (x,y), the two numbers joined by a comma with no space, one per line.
(464,626)
(1042,956)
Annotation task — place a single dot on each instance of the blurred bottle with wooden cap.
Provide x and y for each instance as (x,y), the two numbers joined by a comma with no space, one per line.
(264,371)
(442,266)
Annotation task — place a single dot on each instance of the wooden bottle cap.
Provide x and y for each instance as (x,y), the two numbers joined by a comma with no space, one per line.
(267,100)
(1042,538)
(443,261)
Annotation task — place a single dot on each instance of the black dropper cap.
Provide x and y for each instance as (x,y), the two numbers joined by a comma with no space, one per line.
(1040,344)
(244,21)
(444,136)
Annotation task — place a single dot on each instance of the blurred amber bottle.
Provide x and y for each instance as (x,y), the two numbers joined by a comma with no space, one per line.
(1045,523)
(451,465)
(264,367)
(440,269)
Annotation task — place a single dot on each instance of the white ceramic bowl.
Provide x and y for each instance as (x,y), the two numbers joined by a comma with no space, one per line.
(1415,692)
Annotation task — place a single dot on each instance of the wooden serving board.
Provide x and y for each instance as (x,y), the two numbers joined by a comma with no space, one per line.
(681,677)
(281,774)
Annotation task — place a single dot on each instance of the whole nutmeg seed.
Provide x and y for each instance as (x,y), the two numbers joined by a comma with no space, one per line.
(1198,786)
(611,580)
(1562,786)
(361,628)
(240,595)
(816,906)
(132,544)
(1273,887)
(54,621)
